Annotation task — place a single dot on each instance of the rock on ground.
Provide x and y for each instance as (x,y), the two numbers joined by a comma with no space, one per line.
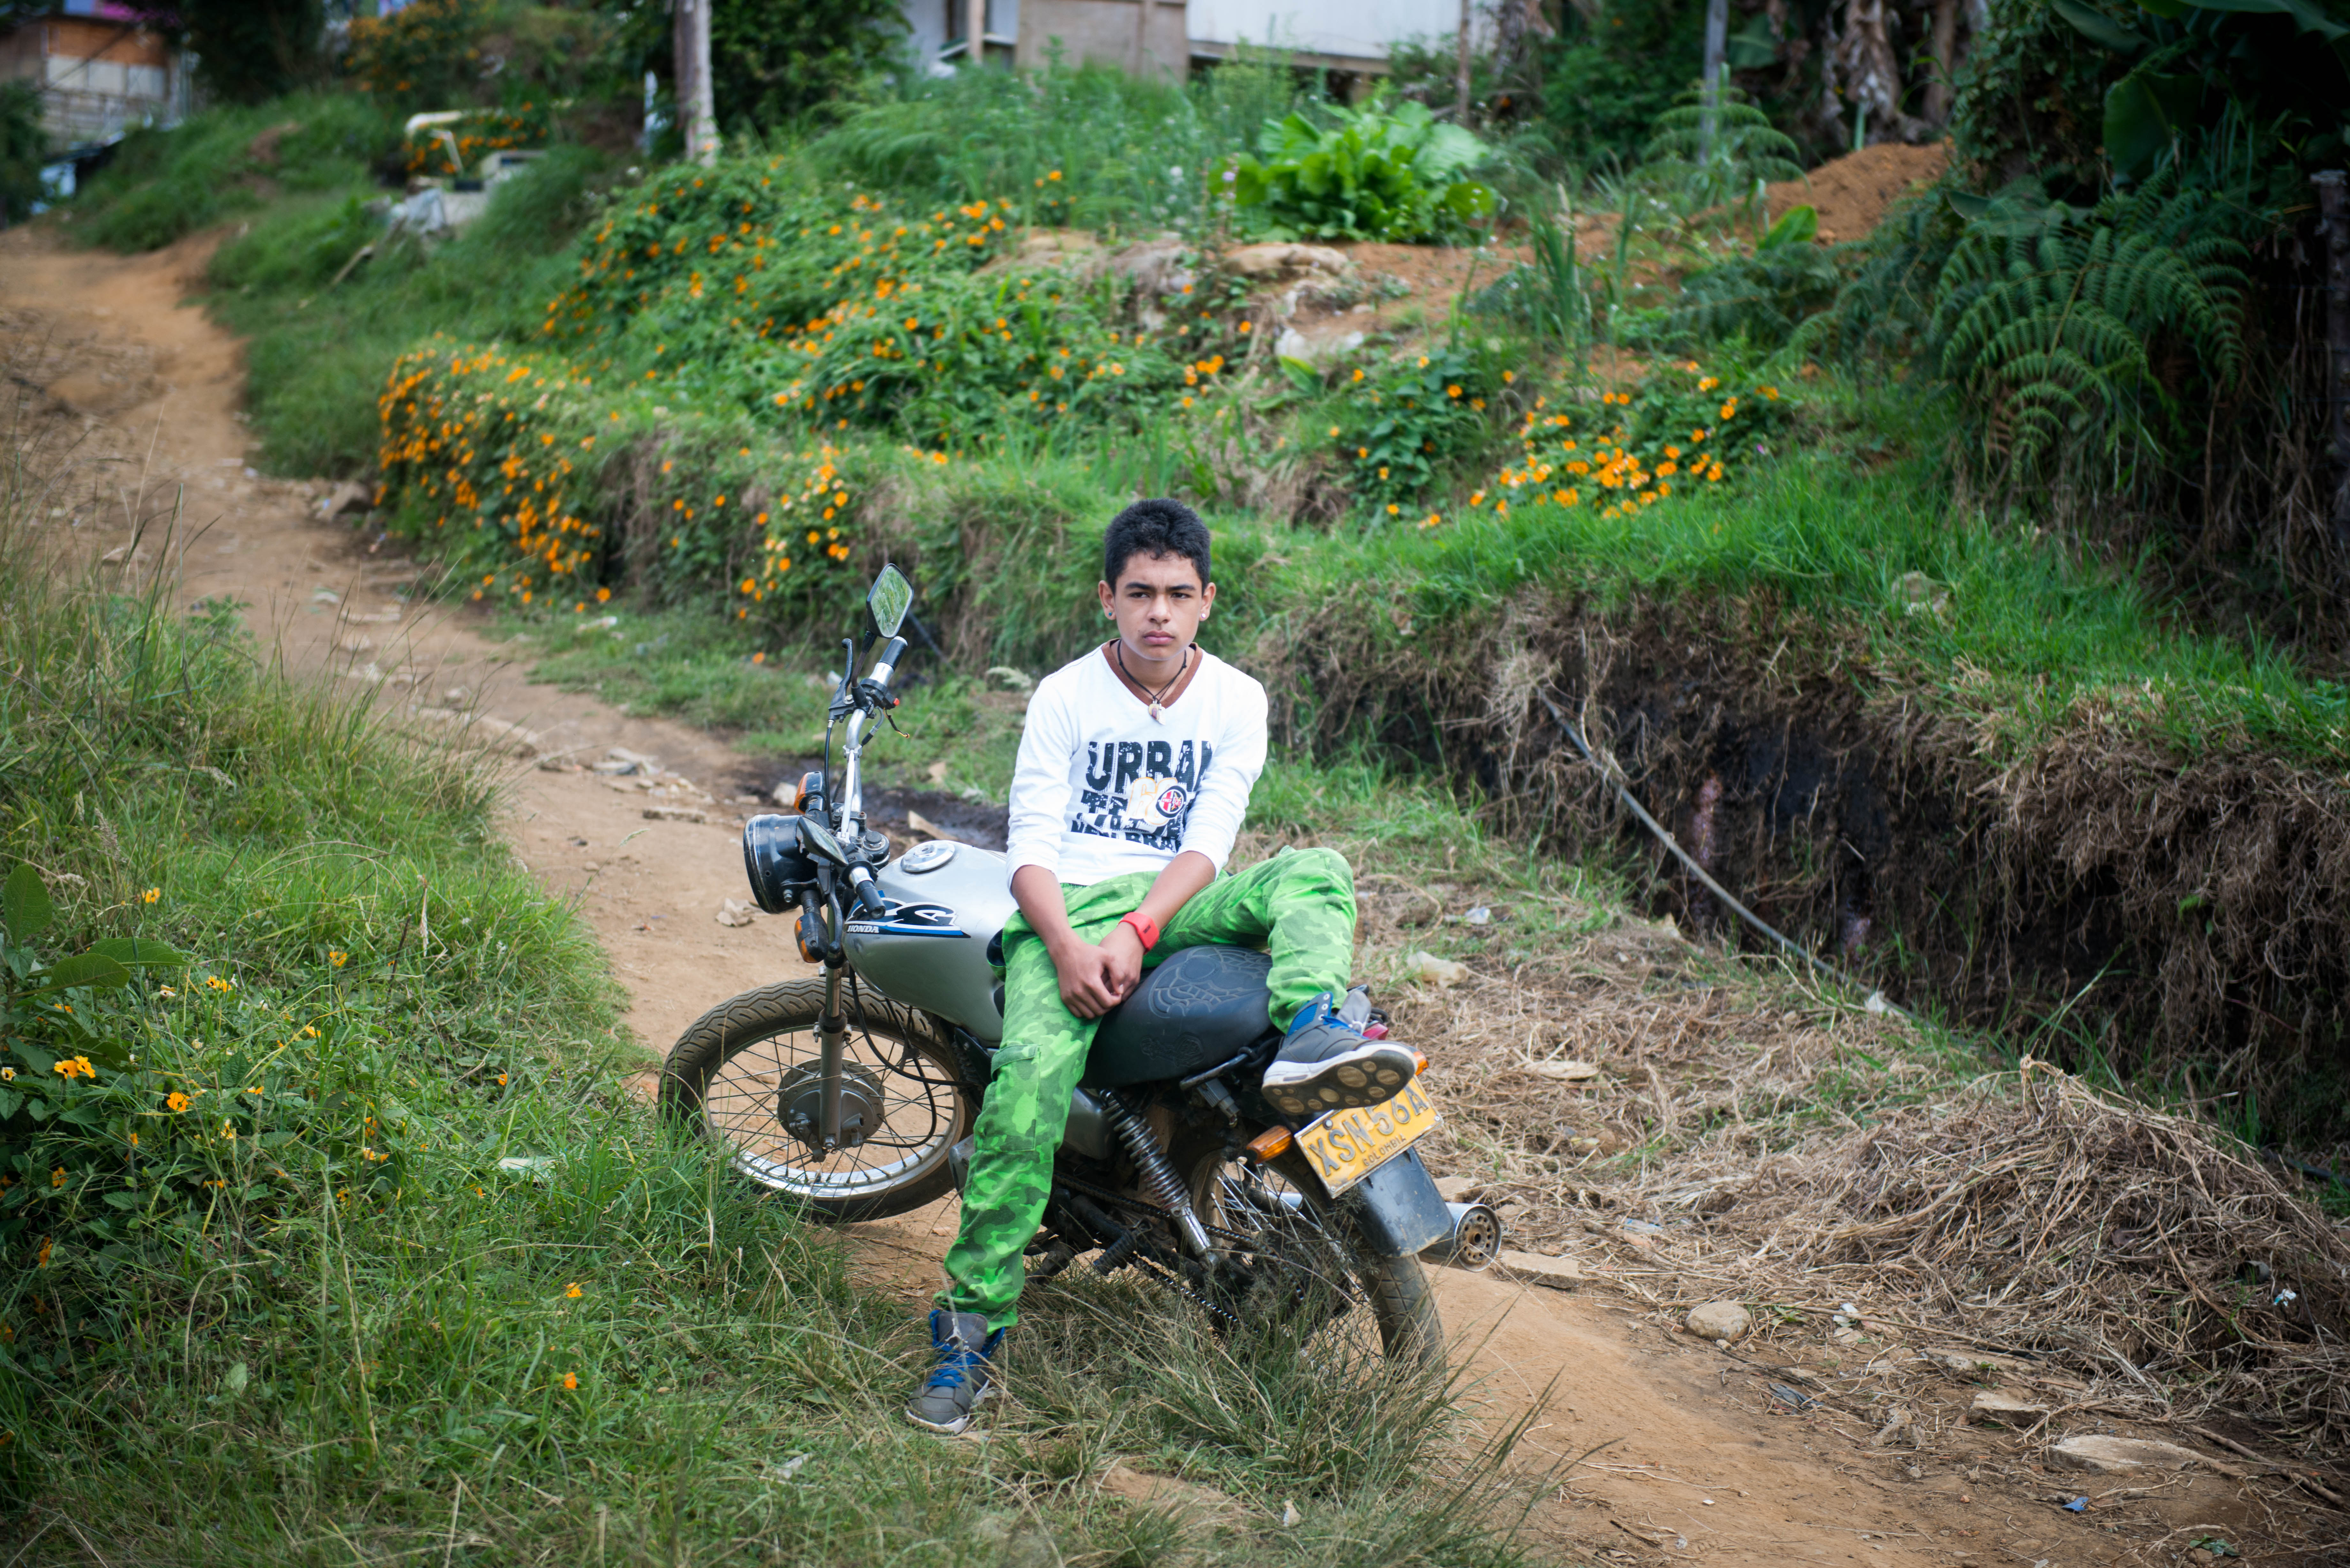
(1719,1320)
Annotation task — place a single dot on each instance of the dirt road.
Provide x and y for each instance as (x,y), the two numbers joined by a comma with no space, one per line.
(1698,1459)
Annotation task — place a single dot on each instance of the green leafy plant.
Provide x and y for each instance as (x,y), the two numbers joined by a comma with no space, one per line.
(1374,174)
(1727,174)
(2045,316)
(1409,423)
(1763,296)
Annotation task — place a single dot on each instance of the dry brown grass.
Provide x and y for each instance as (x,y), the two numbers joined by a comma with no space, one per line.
(1742,1136)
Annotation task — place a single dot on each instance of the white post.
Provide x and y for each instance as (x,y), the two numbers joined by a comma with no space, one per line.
(1460,85)
(697,107)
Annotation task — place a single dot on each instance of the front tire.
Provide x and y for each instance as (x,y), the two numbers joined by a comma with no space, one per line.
(742,1078)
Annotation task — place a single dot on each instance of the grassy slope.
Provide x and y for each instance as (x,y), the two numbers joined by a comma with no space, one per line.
(348,1328)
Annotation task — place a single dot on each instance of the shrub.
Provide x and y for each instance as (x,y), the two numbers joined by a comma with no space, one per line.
(1372,175)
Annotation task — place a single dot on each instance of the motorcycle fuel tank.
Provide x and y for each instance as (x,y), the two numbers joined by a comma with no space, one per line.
(947,901)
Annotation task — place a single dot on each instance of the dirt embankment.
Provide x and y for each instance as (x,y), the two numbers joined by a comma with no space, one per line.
(2100,902)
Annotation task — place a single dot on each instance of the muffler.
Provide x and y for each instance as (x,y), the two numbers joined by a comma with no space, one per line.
(1475,1240)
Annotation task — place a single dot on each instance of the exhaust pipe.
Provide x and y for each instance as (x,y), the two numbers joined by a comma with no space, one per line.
(1475,1240)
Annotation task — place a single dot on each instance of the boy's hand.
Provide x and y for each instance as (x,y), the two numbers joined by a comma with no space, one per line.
(1092,980)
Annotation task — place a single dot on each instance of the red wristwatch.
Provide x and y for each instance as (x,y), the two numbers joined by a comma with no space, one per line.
(1145,929)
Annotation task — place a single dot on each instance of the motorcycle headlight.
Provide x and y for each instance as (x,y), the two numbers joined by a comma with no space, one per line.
(773,860)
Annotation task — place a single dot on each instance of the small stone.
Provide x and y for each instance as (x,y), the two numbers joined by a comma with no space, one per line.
(732,912)
(1995,1405)
(675,814)
(2109,1454)
(1533,1269)
(1718,1321)
(1565,1072)
(1456,1188)
(1442,973)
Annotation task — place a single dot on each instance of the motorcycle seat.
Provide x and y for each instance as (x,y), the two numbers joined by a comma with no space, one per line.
(1200,1007)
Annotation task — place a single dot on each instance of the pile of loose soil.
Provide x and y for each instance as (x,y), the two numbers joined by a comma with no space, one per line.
(1851,193)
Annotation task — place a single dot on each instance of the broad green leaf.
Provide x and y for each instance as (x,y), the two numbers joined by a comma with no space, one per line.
(2146,113)
(94,970)
(1796,226)
(1447,151)
(25,904)
(139,952)
(126,1200)
(2097,27)
(2307,14)
(11,1102)
(1968,207)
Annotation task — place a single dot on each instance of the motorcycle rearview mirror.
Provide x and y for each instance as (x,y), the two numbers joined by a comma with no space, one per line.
(890,597)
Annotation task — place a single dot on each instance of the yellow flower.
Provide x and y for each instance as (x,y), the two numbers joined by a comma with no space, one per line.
(1333,429)
(7,1074)
(73,1066)
(571,1379)
(217,984)
(573,1291)
(1451,392)
(337,957)
(151,895)
(57,1177)
(228,1131)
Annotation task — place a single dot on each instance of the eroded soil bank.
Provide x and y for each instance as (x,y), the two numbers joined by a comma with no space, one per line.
(2087,896)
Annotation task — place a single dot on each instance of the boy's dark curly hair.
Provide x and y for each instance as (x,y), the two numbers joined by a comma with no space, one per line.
(1154,527)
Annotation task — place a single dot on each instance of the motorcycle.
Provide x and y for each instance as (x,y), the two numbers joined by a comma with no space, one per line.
(855,1094)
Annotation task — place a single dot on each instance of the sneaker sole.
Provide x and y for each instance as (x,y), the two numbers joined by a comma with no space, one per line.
(951,1429)
(1369,1075)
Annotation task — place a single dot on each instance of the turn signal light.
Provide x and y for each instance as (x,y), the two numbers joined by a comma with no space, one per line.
(809,951)
(1419,1062)
(811,788)
(1270,1144)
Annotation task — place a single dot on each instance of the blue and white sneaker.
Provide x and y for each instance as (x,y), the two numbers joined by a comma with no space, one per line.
(964,1376)
(1326,1064)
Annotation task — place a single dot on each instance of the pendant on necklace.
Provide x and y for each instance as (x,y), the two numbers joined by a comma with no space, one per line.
(1157,714)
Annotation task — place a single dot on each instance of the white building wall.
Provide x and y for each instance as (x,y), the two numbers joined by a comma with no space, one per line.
(1354,29)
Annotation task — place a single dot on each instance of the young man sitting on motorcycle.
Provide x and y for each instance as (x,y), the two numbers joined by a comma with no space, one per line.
(1134,773)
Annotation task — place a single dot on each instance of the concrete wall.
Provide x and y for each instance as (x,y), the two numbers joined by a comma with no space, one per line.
(96,79)
(1331,29)
(1105,31)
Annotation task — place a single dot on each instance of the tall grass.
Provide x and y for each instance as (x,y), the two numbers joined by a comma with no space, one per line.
(405,1271)
(1089,147)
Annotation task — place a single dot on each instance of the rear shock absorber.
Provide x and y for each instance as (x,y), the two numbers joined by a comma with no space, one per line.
(1158,1177)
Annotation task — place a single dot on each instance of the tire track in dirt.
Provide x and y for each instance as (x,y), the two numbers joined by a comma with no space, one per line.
(1688,1473)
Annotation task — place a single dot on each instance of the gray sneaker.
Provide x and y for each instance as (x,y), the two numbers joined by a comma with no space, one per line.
(964,1375)
(1325,1064)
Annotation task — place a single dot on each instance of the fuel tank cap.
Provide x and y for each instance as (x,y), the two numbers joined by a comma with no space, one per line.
(928,857)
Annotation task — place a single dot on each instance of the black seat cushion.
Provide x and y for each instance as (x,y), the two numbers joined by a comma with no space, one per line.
(1201,1006)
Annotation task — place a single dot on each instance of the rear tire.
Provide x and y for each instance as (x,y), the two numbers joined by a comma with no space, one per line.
(1317,1245)
(733,1076)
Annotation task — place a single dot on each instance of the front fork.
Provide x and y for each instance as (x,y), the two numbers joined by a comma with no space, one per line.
(832,1045)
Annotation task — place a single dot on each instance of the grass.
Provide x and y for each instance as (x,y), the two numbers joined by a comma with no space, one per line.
(404,1270)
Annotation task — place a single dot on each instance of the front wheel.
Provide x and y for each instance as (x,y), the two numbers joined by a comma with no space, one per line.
(1296,1267)
(746,1076)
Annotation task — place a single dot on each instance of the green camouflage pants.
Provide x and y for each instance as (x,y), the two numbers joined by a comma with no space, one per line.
(1299,906)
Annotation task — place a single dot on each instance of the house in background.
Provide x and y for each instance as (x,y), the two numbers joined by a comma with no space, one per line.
(1171,37)
(100,71)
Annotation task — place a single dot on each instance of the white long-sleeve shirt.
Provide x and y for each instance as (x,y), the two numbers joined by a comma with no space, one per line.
(1102,788)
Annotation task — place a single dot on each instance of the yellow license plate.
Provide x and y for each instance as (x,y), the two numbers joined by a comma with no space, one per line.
(1346,1145)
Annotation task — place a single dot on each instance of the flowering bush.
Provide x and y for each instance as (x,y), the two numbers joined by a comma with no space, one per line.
(817,312)
(1683,426)
(499,446)
(120,1126)
(1407,423)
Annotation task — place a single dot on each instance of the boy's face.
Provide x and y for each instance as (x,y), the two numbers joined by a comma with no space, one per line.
(1159,603)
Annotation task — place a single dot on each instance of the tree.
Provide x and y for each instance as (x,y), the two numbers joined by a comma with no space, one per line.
(22,144)
(247,50)
(773,61)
